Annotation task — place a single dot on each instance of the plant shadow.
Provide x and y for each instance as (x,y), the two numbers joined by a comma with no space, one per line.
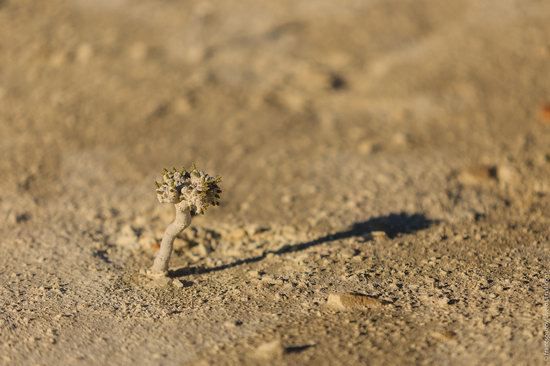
(393,225)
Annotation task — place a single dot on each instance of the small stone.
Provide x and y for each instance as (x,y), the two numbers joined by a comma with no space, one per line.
(233,324)
(127,238)
(160,281)
(444,336)
(237,234)
(138,51)
(544,114)
(177,283)
(348,253)
(347,301)
(478,175)
(255,274)
(287,198)
(202,250)
(181,106)
(18,218)
(269,350)
(379,235)
(507,176)
(293,100)
(147,241)
(253,229)
(401,140)
(58,59)
(84,53)
(194,54)
(368,147)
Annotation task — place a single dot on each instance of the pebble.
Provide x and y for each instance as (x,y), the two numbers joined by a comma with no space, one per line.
(138,51)
(17,218)
(148,241)
(237,234)
(202,250)
(127,238)
(401,140)
(292,100)
(84,53)
(349,253)
(444,336)
(287,199)
(269,350)
(58,59)
(368,147)
(181,106)
(177,283)
(478,175)
(507,176)
(379,235)
(255,274)
(545,114)
(253,229)
(349,301)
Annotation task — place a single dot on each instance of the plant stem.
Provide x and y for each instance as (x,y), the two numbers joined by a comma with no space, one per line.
(182,220)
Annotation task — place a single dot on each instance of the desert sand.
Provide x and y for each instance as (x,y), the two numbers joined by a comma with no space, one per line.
(386,181)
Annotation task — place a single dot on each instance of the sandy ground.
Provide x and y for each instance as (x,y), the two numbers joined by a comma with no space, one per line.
(386,170)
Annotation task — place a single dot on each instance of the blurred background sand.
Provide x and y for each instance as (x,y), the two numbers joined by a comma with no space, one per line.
(416,132)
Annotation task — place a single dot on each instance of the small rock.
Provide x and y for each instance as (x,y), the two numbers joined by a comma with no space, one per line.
(368,147)
(159,281)
(379,235)
(177,283)
(138,51)
(84,53)
(194,54)
(147,241)
(507,176)
(401,140)
(478,175)
(253,229)
(287,198)
(544,114)
(233,324)
(269,350)
(293,100)
(237,234)
(348,253)
(347,301)
(58,59)
(14,218)
(181,106)
(202,250)
(255,274)
(289,231)
(127,238)
(445,335)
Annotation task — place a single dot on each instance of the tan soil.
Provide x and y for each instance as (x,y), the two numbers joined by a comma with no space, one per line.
(396,149)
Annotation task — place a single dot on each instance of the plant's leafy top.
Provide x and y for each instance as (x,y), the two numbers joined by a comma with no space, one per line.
(194,187)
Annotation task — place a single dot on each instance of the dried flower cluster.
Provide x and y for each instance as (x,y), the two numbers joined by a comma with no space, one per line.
(194,187)
(191,192)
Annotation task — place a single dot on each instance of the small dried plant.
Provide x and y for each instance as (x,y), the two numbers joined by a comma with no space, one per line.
(192,192)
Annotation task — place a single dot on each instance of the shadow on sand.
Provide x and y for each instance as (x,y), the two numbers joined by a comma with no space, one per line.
(393,225)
